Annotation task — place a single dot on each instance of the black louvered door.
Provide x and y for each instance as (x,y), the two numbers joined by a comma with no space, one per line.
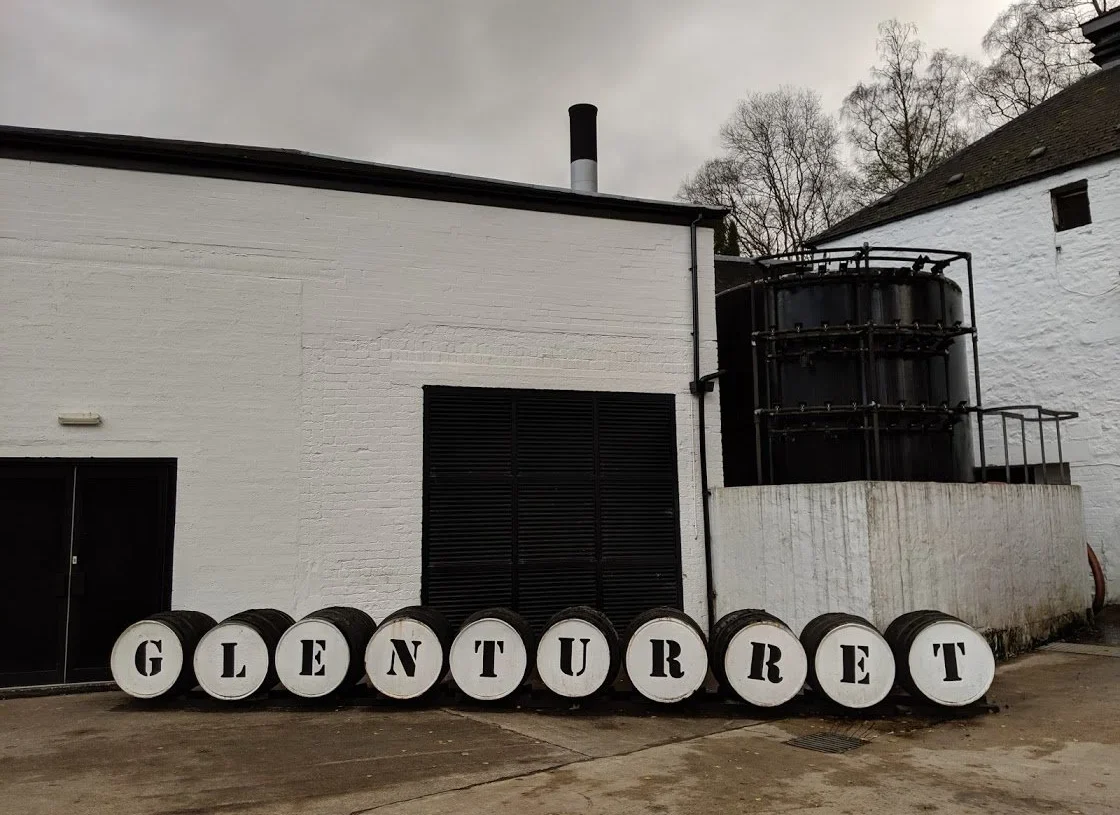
(538,500)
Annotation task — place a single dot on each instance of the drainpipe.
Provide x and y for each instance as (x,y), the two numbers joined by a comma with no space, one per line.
(699,386)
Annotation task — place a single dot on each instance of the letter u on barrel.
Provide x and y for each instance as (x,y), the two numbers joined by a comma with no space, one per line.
(578,654)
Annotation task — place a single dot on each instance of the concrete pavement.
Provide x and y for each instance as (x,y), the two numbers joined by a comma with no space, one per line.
(1053,747)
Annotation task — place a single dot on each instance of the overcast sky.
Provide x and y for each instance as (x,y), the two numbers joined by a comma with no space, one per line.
(470,86)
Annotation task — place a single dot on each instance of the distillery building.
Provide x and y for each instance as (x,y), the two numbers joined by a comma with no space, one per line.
(235,377)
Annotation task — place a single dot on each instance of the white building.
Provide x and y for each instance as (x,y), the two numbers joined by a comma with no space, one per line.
(1037,204)
(237,377)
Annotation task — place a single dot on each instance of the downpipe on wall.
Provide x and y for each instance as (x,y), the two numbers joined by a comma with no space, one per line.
(699,386)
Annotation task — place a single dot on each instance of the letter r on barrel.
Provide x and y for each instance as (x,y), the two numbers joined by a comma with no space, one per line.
(666,655)
(759,661)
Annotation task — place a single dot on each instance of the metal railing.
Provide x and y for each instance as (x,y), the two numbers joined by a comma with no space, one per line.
(1023,415)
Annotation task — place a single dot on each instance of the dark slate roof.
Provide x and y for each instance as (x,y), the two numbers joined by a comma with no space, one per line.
(1079,125)
(297,168)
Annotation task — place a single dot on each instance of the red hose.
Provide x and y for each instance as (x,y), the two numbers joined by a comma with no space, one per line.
(1098,579)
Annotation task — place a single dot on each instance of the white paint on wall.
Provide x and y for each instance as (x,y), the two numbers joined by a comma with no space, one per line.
(275,340)
(1000,557)
(1048,313)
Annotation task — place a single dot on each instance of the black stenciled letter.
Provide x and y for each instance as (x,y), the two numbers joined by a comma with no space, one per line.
(229,667)
(666,654)
(759,661)
(851,664)
(949,654)
(408,660)
(146,666)
(488,649)
(566,649)
(313,658)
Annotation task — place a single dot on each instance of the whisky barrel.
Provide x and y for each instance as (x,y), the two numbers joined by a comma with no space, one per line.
(234,659)
(757,657)
(666,655)
(940,658)
(154,656)
(849,661)
(491,656)
(578,654)
(324,652)
(406,657)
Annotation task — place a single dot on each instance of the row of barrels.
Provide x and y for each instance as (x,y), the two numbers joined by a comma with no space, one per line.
(666,656)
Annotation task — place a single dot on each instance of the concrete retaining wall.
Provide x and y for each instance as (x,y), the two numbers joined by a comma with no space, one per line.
(1008,559)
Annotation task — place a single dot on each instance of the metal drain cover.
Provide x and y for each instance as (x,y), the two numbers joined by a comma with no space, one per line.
(1083,648)
(827,742)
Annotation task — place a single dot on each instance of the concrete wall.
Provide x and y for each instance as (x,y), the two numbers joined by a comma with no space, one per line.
(1048,311)
(1008,559)
(275,340)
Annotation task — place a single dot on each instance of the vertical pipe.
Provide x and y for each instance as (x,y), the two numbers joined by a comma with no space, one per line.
(1058,431)
(1006,454)
(878,453)
(1042,445)
(863,402)
(976,369)
(699,386)
(773,383)
(754,371)
(874,403)
(1023,439)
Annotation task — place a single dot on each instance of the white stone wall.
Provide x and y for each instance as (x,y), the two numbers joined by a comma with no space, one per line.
(1048,312)
(275,341)
(1008,559)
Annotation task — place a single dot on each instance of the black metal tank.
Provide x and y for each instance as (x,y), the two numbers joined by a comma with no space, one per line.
(844,369)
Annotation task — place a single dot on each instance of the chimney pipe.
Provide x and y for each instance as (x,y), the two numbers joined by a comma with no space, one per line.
(585,153)
(1104,33)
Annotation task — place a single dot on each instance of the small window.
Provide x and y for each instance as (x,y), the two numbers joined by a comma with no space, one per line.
(1071,206)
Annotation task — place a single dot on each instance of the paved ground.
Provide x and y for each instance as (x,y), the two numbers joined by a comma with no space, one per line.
(1054,747)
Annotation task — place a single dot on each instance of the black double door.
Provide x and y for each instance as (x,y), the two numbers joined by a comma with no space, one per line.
(85,550)
(538,500)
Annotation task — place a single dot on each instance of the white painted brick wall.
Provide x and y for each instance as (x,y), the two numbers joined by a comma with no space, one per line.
(1048,311)
(275,341)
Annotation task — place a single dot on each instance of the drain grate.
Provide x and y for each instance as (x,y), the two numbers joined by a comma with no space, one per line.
(827,742)
(1083,648)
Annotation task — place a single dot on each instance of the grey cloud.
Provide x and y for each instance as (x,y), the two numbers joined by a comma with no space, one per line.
(470,86)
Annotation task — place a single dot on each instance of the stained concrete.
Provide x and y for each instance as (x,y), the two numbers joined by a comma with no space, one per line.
(1008,559)
(1054,746)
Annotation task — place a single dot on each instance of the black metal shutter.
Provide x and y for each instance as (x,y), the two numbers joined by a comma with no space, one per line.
(539,500)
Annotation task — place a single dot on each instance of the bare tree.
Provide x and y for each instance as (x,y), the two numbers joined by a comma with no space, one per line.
(1036,49)
(781,176)
(910,116)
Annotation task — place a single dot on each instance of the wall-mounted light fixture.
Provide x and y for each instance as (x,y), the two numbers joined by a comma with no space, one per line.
(79,419)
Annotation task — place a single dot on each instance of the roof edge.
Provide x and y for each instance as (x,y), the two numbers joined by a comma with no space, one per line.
(828,235)
(299,169)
